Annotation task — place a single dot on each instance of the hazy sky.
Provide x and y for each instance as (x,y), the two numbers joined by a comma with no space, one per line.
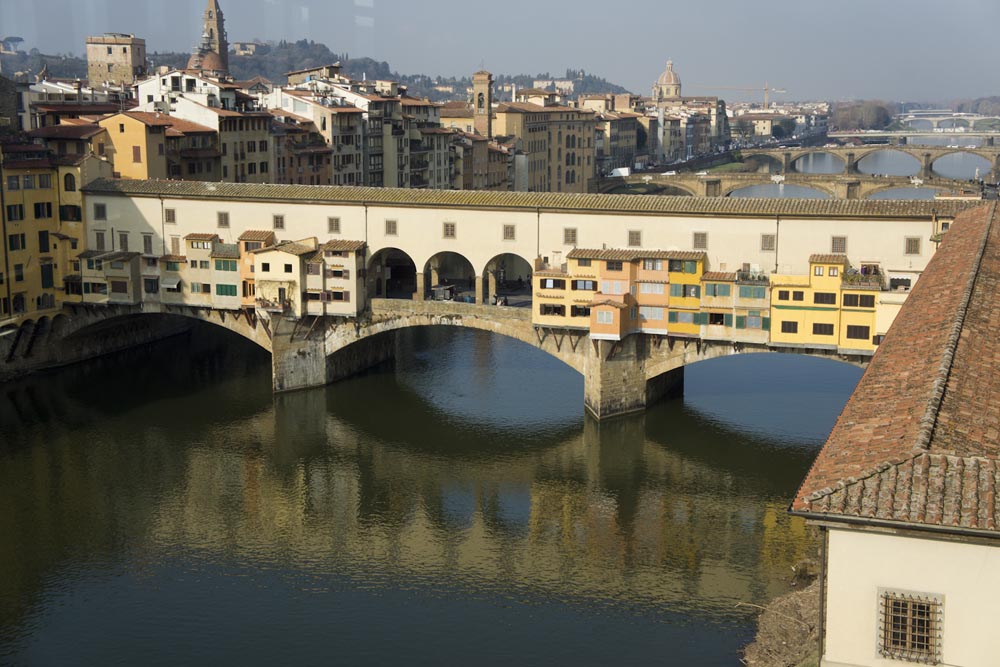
(836,49)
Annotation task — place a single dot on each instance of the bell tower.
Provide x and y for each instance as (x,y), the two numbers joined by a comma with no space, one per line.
(482,103)
(215,30)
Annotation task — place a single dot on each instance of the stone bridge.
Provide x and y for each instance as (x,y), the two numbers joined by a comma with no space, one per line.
(722,184)
(926,156)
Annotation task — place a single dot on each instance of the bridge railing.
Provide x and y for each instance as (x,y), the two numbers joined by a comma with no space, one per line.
(445,308)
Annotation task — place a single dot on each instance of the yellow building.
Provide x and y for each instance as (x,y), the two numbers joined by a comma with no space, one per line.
(138,144)
(832,308)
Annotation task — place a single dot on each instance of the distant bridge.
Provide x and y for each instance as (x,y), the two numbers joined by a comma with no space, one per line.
(904,137)
(936,117)
(926,156)
(722,184)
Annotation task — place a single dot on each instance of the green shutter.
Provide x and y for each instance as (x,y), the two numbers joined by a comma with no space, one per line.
(676,290)
(672,317)
(765,323)
(690,267)
(741,322)
(728,320)
(723,290)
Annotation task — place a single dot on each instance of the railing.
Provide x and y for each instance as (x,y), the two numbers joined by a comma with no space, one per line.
(858,280)
(752,278)
(281,307)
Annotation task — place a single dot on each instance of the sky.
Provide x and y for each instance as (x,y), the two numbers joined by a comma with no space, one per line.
(905,50)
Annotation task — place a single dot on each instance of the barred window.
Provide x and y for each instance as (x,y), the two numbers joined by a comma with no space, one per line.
(634,239)
(912,245)
(768,242)
(838,245)
(390,228)
(223,219)
(333,225)
(701,241)
(508,233)
(569,236)
(279,221)
(910,627)
(449,230)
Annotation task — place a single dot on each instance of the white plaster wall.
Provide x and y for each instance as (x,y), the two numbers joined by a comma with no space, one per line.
(966,576)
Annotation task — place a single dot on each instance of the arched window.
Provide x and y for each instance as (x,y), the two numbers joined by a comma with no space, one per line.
(481,101)
(69,183)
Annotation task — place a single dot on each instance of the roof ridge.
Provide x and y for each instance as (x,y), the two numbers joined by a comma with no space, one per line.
(844,484)
(929,419)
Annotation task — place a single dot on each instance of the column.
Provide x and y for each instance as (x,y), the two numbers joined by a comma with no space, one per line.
(850,164)
(419,295)
(787,162)
(615,378)
(479,291)
(925,172)
(491,285)
(435,278)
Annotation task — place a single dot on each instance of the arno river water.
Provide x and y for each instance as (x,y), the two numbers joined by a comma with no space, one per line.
(161,507)
(888,162)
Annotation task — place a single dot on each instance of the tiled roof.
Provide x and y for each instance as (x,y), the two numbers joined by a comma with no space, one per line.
(291,248)
(719,276)
(173,258)
(554,201)
(828,259)
(63,131)
(919,441)
(262,235)
(150,119)
(616,254)
(201,237)
(343,245)
(226,251)
(621,305)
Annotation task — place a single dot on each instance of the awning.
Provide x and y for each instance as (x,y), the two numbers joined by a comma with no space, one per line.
(170,283)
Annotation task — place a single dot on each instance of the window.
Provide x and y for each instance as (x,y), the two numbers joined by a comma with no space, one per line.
(605,317)
(18,273)
(634,239)
(100,212)
(136,154)
(838,245)
(29,182)
(651,313)
(912,245)
(15,212)
(151,285)
(692,291)
(333,225)
(614,266)
(391,228)
(910,627)
(822,329)
(579,311)
(834,272)
(867,301)
(552,283)
(569,236)
(119,287)
(586,285)
(288,268)
(509,233)
(225,265)
(783,295)
(817,270)
(69,183)
(278,221)
(173,266)
(313,268)
(828,298)
(449,230)
(99,239)
(170,216)
(717,289)
(551,309)
(17,242)
(583,263)
(768,242)
(753,292)
(147,244)
(700,241)
(13,183)
(265,266)
(123,241)
(755,321)
(225,290)
(201,245)
(652,264)
(798,296)
(855,332)
(45,181)
(651,288)
(201,288)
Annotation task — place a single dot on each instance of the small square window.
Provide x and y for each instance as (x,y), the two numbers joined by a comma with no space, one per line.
(569,236)
(838,245)
(768,242)
(279,221)
(288,268)
(910,626)
(817,270)
(223,219)
(333,225)
(700,241)
(834,272)
(634,239)
(449,230)
(391,228)
(912,245)
(100,212)
(508,233)
(170,216)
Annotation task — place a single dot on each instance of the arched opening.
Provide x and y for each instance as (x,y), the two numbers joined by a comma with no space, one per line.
(449,276)
(961,165)
(507,277)
(920,124)
(392,274)
(952,123)
(765,164)
(69,183)
(889,162)
(819,163)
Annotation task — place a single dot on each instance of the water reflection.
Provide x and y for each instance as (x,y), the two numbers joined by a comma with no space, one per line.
(905,193)
(779,191)
(167,515)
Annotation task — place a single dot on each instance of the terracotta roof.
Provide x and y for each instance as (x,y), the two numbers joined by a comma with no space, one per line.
(181,127)
(66,131)
(343,245)
(623,204)
(173,258)
(719,276)
(828,259)
(226,251)
(291,248)
(201,237)
(147,118)
(617,254)
(262,235)
(918,443)
(620,305)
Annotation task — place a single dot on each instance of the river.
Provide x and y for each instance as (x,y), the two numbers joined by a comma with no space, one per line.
(162,508)
(893,163)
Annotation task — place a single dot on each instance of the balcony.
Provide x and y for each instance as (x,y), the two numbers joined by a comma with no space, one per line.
(752,278)
(854,279)
(276,307)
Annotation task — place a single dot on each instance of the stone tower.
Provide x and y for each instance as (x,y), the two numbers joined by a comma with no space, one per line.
(482,103)
(215,28)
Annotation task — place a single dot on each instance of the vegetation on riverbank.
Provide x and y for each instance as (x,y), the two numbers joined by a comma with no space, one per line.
(788,628)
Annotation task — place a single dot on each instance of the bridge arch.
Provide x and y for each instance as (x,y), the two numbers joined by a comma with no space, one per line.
(502,273)
(450,268)
(144,320)
(986,162)
(866,159)
(838,163)
(826,189)
(392,274)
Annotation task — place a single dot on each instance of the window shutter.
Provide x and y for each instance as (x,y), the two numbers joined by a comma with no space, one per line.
(347,297)
(672,317)
(701,318)
(765,323)
(347,274)
(728,320)
(741,322)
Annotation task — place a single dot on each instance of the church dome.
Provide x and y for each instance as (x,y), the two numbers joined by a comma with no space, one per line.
(669,76)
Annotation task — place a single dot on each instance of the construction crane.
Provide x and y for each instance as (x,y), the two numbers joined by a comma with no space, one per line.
(767,90)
